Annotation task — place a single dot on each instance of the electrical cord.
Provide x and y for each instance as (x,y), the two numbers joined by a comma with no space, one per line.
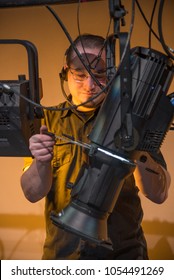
(79,32)
(165,47)
(5,88)
(160,38)
(72,43)
(151,22)
(146,21)
(99,55)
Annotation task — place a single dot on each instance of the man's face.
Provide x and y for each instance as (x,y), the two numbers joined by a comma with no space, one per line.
(81,85)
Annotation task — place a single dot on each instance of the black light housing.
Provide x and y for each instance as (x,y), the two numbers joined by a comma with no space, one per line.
(20,119)
(94,195)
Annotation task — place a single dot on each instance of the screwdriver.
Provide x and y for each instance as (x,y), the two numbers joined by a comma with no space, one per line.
(69,139)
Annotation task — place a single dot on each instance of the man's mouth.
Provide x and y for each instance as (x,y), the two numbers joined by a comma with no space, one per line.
(89,93)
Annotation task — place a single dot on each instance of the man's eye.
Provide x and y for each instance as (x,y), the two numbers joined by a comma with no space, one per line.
(100,76)
(80,76)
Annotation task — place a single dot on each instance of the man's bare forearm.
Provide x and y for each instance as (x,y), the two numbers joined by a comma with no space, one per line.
(36,180)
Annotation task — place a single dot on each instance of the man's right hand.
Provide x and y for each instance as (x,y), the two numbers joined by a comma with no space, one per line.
(41,145)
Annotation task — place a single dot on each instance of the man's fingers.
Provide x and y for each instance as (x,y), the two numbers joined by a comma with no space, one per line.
(43,129)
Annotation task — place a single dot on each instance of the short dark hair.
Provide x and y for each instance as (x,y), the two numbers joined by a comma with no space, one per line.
(86,40)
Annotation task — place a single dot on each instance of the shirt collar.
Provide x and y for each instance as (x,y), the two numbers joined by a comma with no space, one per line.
(72,110)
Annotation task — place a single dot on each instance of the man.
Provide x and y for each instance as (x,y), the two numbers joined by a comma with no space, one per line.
(58,162)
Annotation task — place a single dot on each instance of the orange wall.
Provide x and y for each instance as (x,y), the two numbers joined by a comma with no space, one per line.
(21,223)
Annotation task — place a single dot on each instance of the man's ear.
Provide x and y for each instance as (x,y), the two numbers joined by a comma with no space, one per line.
(64,73)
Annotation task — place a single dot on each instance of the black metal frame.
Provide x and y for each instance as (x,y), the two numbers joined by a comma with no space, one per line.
(17,3)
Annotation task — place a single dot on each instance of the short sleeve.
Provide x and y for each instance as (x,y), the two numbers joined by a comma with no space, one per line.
(27,163)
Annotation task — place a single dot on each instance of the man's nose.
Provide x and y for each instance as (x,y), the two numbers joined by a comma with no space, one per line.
(89,83)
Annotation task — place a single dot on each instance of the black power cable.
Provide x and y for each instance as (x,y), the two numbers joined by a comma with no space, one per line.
(160,15)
